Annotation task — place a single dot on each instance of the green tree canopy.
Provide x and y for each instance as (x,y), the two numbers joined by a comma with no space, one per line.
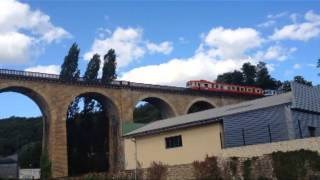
(92,68)
(249,73)
(69,69)
(264,79)
(235,77)
(91,74)
(286,87)
(109,67)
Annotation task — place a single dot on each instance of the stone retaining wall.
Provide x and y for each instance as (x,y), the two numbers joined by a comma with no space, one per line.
(312,144)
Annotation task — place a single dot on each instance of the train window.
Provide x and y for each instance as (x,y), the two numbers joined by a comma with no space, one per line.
(249,90)
(233,88)
(205,85)
(242,89)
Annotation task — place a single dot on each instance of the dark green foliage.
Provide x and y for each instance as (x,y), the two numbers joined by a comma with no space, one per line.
(295,164)
(92,68)
(199,106)
(91,74)
(264,79)
(87,143)
(286,87)
(45,166)
(247,169)
(234,161)
(263,178)
(29,155)
(235,77)
(16,132)
(157,171)
(207,169)
(249,73)
(69,68)
(146,113)
(109,67)
(301,80)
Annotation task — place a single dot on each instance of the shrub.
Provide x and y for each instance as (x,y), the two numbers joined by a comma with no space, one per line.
(247,169)
(157,171)
(295,164)
(45,165)
(207,169)
(233,164)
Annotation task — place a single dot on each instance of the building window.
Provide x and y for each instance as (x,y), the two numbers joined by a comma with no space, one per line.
(174,141)
(312,131)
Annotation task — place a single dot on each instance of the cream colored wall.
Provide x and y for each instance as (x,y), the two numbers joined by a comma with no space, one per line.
(197,142)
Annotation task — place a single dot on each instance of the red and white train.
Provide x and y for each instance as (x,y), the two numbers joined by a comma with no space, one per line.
(221,87)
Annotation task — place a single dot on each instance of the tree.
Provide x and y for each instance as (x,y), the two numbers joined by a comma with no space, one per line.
(91,74)
(286,87)
(263,78)
(109,67)
(249,73)
(301,80)
(69,69)
(70,72)
(235,77)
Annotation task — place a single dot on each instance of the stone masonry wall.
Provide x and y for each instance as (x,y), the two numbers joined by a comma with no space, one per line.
(312,144)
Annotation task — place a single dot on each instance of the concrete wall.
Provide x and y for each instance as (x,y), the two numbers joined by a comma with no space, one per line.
(312,144)
(197,143)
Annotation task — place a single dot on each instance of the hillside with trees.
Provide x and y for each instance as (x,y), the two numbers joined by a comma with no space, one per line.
(23,136)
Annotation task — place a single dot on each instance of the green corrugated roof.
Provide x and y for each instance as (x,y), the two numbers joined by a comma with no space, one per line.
(129,126)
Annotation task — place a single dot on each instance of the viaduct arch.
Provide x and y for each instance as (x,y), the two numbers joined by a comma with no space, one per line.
(54,96)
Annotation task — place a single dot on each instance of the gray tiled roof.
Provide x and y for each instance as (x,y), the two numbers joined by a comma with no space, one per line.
(211,115)
(306,97)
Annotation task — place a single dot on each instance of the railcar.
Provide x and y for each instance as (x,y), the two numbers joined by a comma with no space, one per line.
(222,87)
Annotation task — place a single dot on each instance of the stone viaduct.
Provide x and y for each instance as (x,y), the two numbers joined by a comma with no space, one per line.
(53,96)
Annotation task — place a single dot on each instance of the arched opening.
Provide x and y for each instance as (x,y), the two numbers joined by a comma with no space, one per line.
(23,128)
(92,131)
(151,109)
(199,106)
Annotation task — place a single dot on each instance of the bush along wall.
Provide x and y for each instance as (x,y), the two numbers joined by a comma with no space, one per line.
(294,165)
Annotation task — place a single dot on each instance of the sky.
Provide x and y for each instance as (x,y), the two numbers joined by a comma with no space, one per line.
(159,42)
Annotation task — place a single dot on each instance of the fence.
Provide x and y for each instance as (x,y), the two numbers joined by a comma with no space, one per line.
(56,78)
(269,133)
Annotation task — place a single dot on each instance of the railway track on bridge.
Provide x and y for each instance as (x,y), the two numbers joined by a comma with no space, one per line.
(54,78)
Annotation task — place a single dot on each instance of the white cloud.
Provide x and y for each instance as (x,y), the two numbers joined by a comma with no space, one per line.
(20,24)
(222,50)
(164,47)
(128,44)
(275,52)
(296,66)
(231,43)
(178,71)
(13,52)
(268,23)
(276,16)
(50,69)
(304,31)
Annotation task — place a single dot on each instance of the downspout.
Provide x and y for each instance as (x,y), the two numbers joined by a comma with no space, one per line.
(135,158)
